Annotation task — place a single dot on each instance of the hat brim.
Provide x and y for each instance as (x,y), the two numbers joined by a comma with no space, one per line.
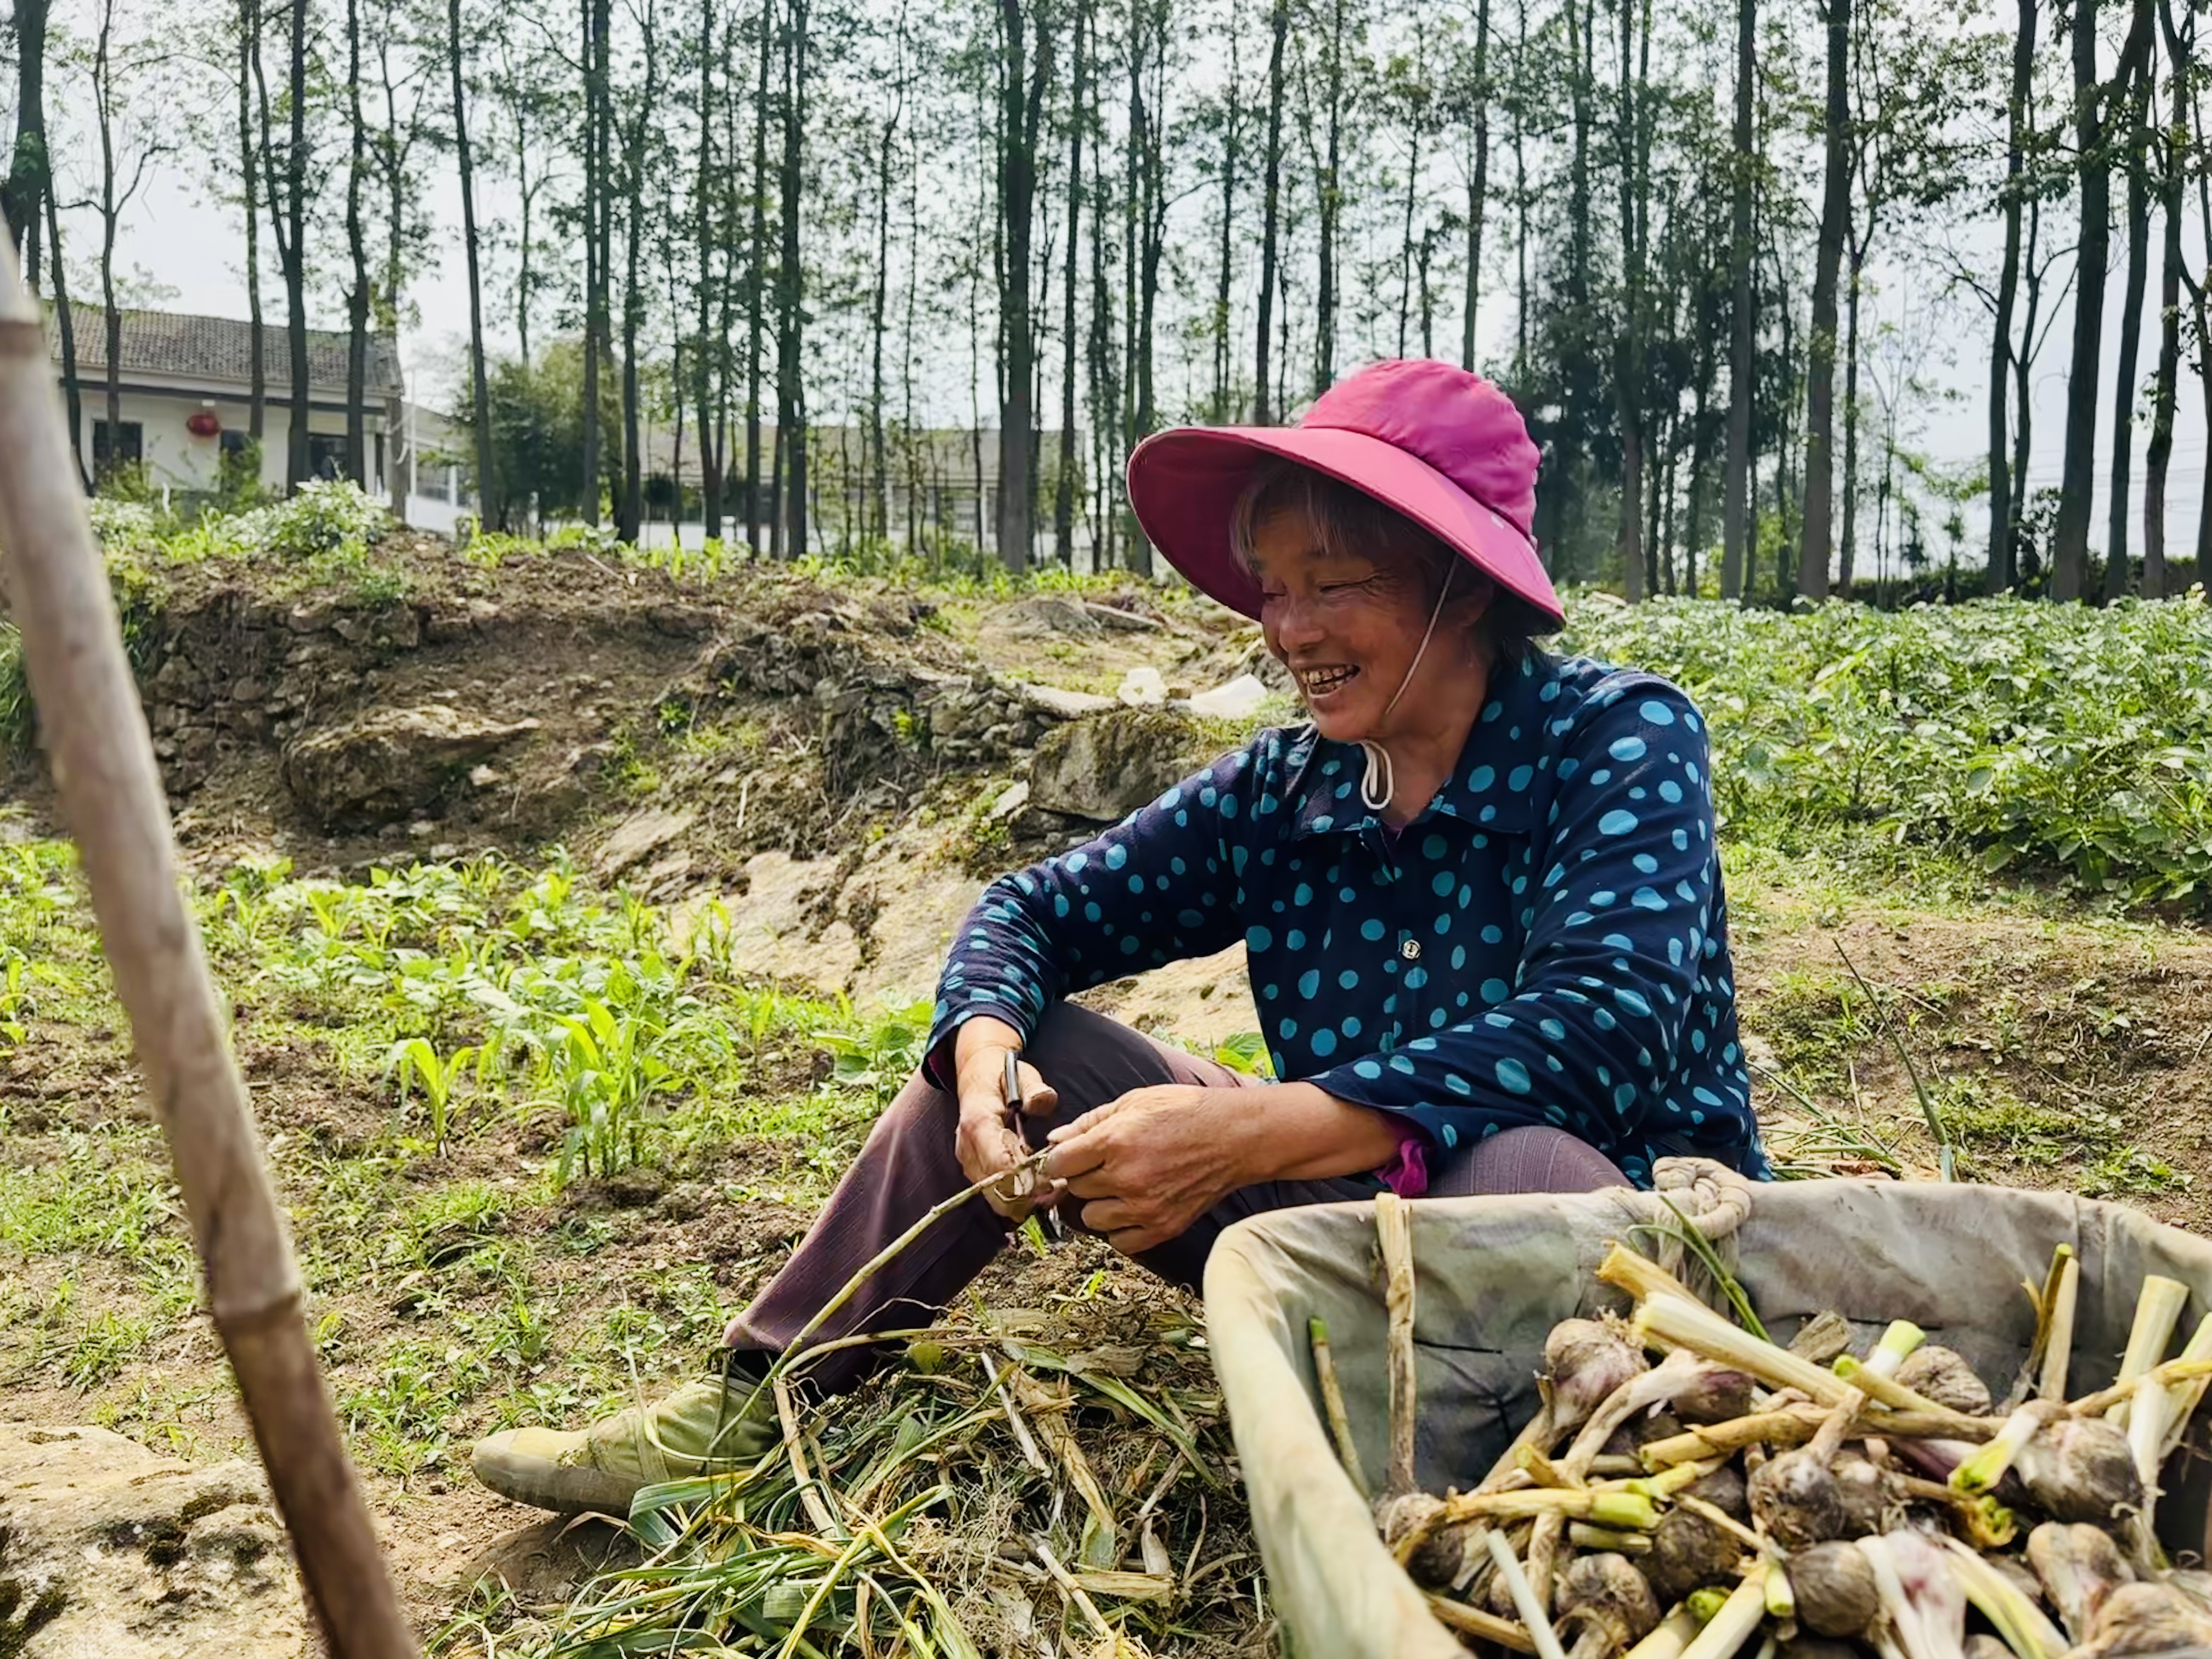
(1184,483)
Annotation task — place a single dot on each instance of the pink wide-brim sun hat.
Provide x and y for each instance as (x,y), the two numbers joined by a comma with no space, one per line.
(1441,446)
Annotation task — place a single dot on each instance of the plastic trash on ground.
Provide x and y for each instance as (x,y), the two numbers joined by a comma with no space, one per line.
(1495,1274)
(1143,687)
(1234,699)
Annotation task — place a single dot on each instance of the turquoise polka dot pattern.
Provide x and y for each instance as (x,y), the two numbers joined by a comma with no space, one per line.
(1546,943)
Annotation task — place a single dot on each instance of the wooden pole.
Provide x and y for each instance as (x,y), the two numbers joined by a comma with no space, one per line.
(96,742)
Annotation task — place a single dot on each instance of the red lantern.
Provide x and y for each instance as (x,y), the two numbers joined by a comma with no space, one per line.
(203,423)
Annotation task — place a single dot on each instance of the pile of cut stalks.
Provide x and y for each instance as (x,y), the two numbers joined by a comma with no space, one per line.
(1691,1489)
(1023,1483)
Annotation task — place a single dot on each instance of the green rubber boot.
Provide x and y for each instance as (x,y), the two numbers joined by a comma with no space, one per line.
(702,1428)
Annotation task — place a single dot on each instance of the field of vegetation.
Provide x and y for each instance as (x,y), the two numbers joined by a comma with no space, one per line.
(539,1136)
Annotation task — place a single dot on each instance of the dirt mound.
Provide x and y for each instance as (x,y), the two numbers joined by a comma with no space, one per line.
(668,731)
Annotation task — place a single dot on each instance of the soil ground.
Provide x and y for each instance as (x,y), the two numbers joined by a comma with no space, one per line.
(458,1288)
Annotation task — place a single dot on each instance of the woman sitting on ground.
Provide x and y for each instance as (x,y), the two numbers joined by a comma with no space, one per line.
(1478,892)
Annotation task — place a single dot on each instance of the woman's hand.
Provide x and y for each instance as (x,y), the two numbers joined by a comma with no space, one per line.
(987,1144)
(1151,1163)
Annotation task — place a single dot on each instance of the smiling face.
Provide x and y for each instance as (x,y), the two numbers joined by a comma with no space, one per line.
(1348,625)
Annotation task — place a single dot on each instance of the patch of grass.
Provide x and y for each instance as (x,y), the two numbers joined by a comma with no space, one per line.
(2130,1171)
(1984,1113)
(626,768)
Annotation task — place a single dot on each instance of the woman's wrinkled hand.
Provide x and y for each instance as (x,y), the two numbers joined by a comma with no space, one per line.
(987,1144)
(1149,1164)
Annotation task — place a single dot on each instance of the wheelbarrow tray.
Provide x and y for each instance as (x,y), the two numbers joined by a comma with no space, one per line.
(1493,1275)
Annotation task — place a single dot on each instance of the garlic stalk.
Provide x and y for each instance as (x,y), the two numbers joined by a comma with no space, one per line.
(2158,1304)
(1902,1337)
(2058,1327)
(1534,1616)
(1675,1632)
(2182,1401)
(1672,1321)
(1981,1471)
(1622,1511)
(2158,1416)
(1895,1396)
(1922,1599)
(1734,1624)
(2018,1621)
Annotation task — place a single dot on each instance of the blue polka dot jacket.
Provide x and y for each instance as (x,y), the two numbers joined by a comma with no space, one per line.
(1546,944)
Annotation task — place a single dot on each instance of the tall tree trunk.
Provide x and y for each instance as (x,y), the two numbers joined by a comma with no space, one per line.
(526,205)
(1743,368)
(1063,503)
(249,170)
(65,325)
(1849,558)
(791,292)
(1416,115)
(2077,480)
(1581,363)
(1628,375)
(709,349)
(110,213)
(1270,211)
(2006,487)
(630,514)
(356,418)
(491,507)
(2118,565)
(24,190)
(1520,199)
(1144,212)
(298,460)
(2174,149)
(1332,207)
(1233,132)
(1693,537)
(1103,376)
(1478,185)
(879,495)
(1022,89)
(1785,474)
(2022,402)
(756,288)
(2160,450)
(1817,546)
(596,23)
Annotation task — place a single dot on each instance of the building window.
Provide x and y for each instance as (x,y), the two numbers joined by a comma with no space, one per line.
(129,452)
(325,455)
(234,444)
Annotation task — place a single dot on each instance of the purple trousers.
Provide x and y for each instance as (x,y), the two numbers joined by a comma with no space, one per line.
(908,1166)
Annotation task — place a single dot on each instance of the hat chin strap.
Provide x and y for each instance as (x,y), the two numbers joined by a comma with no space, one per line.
(1380,782)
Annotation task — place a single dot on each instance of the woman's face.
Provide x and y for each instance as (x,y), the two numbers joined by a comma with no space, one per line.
(1348,627)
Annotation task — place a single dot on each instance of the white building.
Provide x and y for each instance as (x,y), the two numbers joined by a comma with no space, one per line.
(186,383)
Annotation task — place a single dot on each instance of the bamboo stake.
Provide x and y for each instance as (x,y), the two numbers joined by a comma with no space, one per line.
(102,760)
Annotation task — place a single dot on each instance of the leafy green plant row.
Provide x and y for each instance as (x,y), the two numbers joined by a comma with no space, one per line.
(2048,739)
(480,989)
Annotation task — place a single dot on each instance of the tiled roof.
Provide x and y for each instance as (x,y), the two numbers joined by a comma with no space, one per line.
(219,349)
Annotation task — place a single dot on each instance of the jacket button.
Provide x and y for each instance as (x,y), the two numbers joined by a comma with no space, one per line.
(1410,950)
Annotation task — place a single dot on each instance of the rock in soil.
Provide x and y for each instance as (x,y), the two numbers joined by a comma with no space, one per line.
(549,1563)
(1107,766)
(108,1549)
(389,761)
